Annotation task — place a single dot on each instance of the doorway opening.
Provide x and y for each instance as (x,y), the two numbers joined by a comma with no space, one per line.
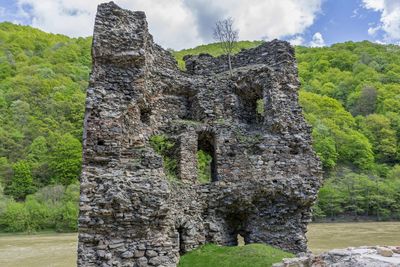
(182,248)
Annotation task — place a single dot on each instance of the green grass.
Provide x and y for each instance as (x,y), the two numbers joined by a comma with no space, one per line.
(254,255)
(213,49)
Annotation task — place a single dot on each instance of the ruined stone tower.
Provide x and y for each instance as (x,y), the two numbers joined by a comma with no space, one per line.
(137,210)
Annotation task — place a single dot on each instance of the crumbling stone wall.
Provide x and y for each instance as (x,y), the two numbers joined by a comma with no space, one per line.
(265,175)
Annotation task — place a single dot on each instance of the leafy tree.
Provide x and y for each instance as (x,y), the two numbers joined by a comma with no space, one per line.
(394,173)
(330,200)
(3,200)
(325,146)
(380,133)
(15,218)
(66,159)
(38,156)
(52,207)
(5,170)
(366,102)
(22,181)
(335,136)
(68,212)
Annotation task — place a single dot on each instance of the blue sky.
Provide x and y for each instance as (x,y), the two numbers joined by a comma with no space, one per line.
(186,23)
(344,20)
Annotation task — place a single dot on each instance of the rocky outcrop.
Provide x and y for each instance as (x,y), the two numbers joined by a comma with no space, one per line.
(137,210)
(372,256)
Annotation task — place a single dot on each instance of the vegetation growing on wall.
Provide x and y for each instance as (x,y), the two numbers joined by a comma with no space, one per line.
(164,147)
(204,166)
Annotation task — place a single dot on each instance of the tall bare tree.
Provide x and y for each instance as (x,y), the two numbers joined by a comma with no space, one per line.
(227,36)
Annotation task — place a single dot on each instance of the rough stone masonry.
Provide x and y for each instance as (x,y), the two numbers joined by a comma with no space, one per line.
(264,173)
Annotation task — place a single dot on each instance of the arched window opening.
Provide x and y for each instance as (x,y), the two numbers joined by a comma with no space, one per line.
(237,225)
(206,158)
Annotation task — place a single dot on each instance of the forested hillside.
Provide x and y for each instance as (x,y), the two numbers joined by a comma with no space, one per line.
(43,79)
(350,95)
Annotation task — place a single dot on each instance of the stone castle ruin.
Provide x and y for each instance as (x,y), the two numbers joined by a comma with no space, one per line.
(142,200)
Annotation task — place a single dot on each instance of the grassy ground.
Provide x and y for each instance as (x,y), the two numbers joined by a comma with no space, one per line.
(254,255)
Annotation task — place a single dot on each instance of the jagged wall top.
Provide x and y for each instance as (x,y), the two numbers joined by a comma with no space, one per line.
(278,55)
(121,36)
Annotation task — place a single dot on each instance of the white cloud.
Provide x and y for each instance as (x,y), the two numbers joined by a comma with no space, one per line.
(181,23)
(169,21)
(269,19)
(380,42)
(390,17)
(317,40)
(296,40)
(373,30)
(374,4)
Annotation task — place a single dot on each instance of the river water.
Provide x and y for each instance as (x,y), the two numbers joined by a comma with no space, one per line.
(59,250)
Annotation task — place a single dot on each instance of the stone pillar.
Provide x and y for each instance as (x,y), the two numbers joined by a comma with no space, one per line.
(187,155)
